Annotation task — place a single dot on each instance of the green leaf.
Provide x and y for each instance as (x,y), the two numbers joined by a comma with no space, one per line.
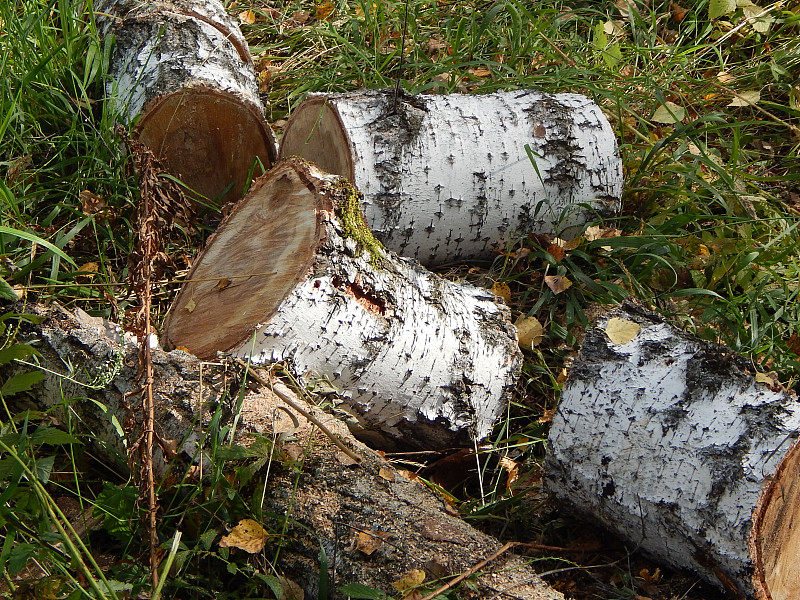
(7,292)
(37,240)
(719,8)
(51,435)
(361,592)
(44,466)
(16,351)
(21,383)
(19,556)
(669,113)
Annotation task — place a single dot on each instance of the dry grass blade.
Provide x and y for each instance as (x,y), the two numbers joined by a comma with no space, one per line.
(161,202)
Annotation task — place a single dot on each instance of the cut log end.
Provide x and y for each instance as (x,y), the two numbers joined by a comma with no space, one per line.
(316,133)
(251,263)
(210,139)
(775,537)
(291,275)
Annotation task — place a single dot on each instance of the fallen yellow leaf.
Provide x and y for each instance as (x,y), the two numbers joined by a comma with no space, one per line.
(248,535)
(412,579)
(247,16)
(529,332)
(501,289)
(621,331)
(324,10)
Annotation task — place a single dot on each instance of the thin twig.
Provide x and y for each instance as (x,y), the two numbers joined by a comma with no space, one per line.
(454,582)
(285,397)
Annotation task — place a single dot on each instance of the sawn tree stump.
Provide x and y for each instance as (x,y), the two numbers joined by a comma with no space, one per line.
(293,274)
(670,442)
(182,72)
(450,178)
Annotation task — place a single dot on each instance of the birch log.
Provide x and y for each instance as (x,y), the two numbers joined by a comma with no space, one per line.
(291,275)
(325,502)
(670,442)
(450,178)
(182,72)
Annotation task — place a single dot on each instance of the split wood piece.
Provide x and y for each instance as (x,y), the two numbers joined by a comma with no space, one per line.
(183,73)
(374,524)
(670,442)
(291,275)
(451,178)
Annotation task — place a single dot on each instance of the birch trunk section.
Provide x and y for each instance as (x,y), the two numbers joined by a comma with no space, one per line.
(416,360)
(182,73)
(671,443)
(327,503)
(451,178)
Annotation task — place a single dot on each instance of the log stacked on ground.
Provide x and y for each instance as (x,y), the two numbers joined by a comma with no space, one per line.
(182,72)
(324,502)
(670,442)
(293,274)
(451,178)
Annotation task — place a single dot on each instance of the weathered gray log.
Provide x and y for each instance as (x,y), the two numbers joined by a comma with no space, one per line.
(291,275)
(671,443)
(182,72)
(330,505)
(451,178)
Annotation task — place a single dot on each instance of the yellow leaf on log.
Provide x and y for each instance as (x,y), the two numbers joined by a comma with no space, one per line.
(412,579)
(621,331)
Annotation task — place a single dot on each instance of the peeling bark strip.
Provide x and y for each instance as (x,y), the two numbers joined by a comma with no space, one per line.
(670,442)
(184,71)
(448,178)
(325,503)
(418,361)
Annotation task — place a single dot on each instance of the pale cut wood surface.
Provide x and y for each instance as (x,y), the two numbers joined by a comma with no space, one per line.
(182,72)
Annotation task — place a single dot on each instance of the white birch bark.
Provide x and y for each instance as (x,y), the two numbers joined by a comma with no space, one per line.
(670,442)
(417,360)
(448,178)
(182,72)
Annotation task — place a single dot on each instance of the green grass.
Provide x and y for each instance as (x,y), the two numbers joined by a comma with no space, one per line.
(708,234)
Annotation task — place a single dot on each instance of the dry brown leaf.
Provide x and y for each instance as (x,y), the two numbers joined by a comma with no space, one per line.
(678,12)
(91,203)
(368,542)
(414,578)
(248,535)
(567,244)
(650,577)
(300,16)
(345,459)
(324,10)
(556,251)
(386,473)
(557,283)
(247,16)
(502,290)
(621,331)
(512,468)
(190,305)
(529,332)
(480,72)
(547,416)
(291,590)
